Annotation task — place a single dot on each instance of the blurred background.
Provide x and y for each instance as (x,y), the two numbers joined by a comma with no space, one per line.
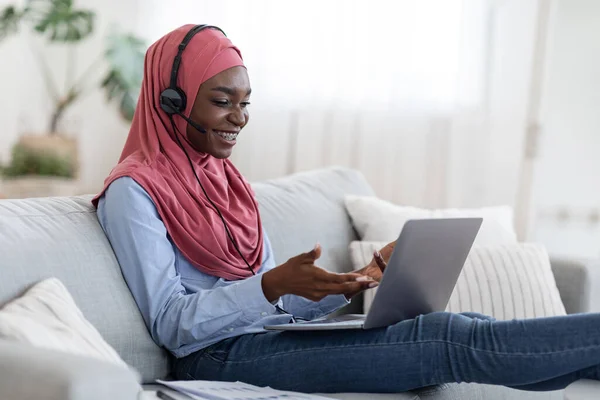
(440,103)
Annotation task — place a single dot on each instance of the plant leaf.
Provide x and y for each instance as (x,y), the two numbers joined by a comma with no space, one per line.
(10,18)
(125,55)
(26,161)
(60,21)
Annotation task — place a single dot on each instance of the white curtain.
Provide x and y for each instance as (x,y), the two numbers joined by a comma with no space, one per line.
(427,98)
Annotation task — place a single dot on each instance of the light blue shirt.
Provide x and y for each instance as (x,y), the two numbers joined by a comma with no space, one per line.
(185,309)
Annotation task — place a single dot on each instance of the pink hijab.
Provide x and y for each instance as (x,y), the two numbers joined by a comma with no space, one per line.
(152,157)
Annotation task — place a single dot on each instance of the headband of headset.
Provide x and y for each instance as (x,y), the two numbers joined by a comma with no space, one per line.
(173,99)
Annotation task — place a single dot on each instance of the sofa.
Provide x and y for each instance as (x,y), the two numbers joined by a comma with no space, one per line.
(61,237)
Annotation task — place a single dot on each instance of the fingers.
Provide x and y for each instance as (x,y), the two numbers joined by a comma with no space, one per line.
(315,283)
(351,287)
(349,283)
(387,250)
(310,256)
(329,277)
(379,260)
(348,288)
(347,278)
(316,252)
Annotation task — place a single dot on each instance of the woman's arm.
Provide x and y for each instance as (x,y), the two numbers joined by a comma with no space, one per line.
(147,259)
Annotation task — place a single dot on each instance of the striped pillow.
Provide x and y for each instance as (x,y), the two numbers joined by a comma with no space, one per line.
(504,281)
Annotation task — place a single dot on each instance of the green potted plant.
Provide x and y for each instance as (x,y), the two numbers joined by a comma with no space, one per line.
(60,22)
(37,172)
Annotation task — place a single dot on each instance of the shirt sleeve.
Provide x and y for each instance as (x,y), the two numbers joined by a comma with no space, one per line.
(147,259)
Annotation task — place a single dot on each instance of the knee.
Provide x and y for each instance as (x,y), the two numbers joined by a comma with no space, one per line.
(441,326)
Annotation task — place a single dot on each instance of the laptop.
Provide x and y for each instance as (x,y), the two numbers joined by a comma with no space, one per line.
(419,278)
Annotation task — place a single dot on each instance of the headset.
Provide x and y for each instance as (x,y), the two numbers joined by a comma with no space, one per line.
(173,102)
(173,99)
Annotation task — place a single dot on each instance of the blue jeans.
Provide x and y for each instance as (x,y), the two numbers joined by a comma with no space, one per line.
(532,354)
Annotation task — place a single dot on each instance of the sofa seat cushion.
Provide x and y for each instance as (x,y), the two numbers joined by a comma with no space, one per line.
(149,394)
(477,391)
(31,373)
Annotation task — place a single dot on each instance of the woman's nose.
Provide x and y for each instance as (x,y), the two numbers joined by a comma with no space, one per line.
(237,117)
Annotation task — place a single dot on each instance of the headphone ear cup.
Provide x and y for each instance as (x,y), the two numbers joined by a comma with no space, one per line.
(173,101)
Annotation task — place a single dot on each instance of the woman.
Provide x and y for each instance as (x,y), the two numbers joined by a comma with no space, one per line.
(187,233)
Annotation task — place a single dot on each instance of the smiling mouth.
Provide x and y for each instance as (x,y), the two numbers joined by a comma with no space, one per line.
(227,135)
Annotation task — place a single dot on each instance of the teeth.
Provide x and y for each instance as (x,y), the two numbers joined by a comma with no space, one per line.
(227,136)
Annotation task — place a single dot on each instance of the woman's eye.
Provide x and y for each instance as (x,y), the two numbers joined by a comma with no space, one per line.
(227,103)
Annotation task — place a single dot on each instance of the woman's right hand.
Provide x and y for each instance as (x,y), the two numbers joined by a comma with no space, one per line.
(300,276)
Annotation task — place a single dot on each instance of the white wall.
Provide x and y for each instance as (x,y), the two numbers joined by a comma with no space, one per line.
(568,170)
(26,107)
(465,154)
(476,164)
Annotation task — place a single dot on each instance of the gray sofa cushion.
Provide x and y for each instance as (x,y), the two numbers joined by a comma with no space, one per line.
(475,391)
(371,396)
(61,237)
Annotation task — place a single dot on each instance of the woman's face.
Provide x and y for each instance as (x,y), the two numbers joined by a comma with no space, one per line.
(220,108)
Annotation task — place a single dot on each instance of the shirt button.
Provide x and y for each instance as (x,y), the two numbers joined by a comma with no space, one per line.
(263,313)
(230,329)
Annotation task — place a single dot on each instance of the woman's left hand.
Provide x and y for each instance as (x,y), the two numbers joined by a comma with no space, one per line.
(375,268)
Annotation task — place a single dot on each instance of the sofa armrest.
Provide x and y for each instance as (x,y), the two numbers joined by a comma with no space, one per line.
(29,373)
(578,281)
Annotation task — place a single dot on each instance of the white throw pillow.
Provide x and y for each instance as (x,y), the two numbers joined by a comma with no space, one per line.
(376,219)
(46,316)
(505,281)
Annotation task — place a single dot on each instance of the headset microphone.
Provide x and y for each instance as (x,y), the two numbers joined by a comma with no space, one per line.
(172,104)
(192,123)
